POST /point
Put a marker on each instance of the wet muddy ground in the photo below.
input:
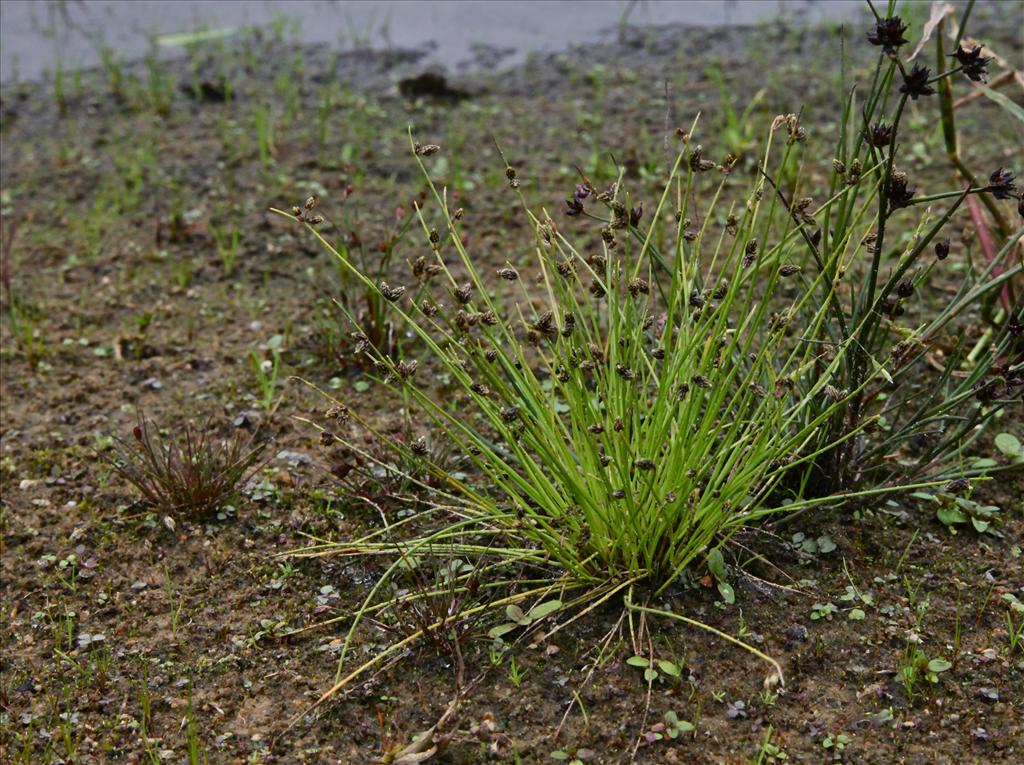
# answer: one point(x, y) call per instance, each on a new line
point(130, 637)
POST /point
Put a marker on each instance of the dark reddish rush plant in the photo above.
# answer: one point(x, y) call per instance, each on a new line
point(194, 474)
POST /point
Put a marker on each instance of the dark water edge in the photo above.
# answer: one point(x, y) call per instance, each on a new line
point(452, 34)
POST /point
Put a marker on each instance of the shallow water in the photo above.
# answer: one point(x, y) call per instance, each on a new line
point(35, 35)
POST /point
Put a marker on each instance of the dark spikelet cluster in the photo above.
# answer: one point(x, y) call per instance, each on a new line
point(1001, 184)
point(574, 204)
point(697, 162)
point(973, 64)
point(750, 253)
point(880, 135)
point(424, 270)
point(1002, 382)
point(360, 342)
point(638, 287)
point(957, 486)
point(391, 294)
point(403, 372)
point(701, 382)
point(888, 34)
point(302, 213)
point(545, 324)
point(915, 83)
point(900, 191)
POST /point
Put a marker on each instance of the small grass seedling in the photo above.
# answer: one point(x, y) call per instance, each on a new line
point(226, 240)
point(1014, 622)
point(516, 673)
point(263, 121)
point(175, 601)
point(265, 372)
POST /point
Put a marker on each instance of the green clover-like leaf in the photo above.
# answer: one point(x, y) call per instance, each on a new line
point(1010, 445)
point(541, 610)
point(670, 669)
point(515, 613)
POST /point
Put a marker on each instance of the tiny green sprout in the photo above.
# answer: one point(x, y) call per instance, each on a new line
point(716, 565)
point(66, 569)
point(674, 726)
point(823, 611)
point(496, 652)
point(837, 742)
point(518, 618)
point(1014, 621)
point(226, 241)
point(916, 666)
point(650, 668)
point(770, 754)
point(962, 510)
point(516, 673)
point(952, 510)
point(574, 756)
point(669, 726)
point(853, 595)
point(266, 373)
